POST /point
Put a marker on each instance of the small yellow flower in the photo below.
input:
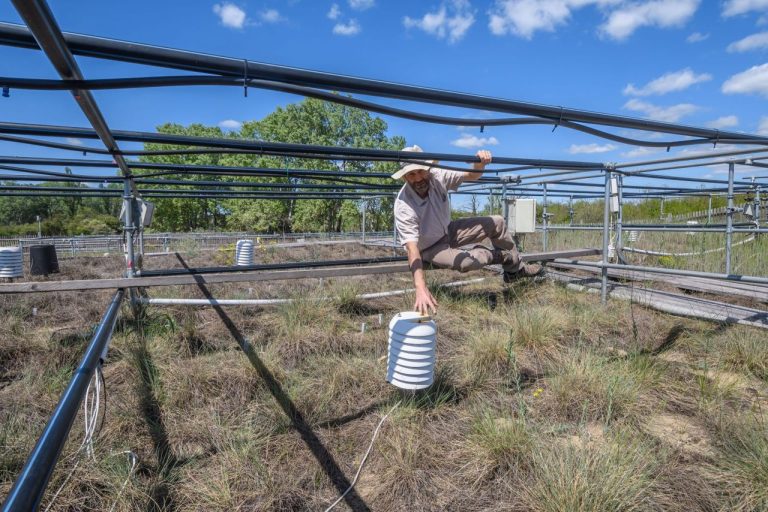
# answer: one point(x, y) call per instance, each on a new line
point(538, 392)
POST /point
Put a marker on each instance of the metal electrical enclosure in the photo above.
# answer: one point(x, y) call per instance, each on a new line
point(522, 215)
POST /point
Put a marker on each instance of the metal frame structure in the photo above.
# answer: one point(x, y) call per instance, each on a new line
point(519, 176)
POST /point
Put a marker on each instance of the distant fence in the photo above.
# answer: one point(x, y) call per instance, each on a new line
point(170, 242)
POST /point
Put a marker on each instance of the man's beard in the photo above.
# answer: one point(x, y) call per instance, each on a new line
point(421, 187)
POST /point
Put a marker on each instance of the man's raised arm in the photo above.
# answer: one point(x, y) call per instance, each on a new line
point(425, 302)
point(485, 158)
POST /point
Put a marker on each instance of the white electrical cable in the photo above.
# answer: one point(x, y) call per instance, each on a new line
point(90, 420)
point(365, 457)
point(134, 459)
point(708, 251)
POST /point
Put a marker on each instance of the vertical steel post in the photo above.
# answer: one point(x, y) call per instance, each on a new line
point(756, 203)
point(545, 219)
point(620, 215)
point(709, 210)
point(365, 207)
point(606, 237)
point(504, 206)
point(128, 227)
point(729, 218)
point(394, 232)
point(661, 211)
point(570, 210)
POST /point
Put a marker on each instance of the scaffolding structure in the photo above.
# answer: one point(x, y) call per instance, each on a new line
point(613, 183)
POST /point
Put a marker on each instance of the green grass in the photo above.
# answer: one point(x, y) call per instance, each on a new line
point(742, 467)
point(615, 476)
point(543, 400)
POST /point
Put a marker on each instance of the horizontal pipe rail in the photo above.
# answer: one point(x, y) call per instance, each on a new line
point(29, 487)
point(311, 151)
point(671, 271)
point(17, 35)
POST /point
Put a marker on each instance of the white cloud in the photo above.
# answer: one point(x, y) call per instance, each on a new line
point(762, 128)
point(74, 142)
point(335, 12)
point(697, 37)
point(753, 80)
point(468, 141)
point(753, 42)
point(230, 15)
point(270, 16)
point(350, 28)
point(576, 149)
point(623, 21)
point(735, 7)
point(230, 124)
point(668, 82)
point(524, 17)
point(641, 152)
point(724, 122)
point(451, 20)
point(665, 114)
point(361, 5)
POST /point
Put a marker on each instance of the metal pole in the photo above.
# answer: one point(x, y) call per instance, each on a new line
point(661, 210)
point(29, 487)
point(570, 210)
point(504, 206)
point(606, 236)
point(394, 233)
point(757, 207)
point(620, 215)
point(365, 206)
point(709, 210)
point(544, 218)
point(729, 219)
point(128, 228)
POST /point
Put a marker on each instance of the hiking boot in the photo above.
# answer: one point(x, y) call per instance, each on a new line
point(529, 270)
point(506, 259)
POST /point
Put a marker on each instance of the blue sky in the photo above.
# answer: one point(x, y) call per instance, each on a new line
point(686, 61)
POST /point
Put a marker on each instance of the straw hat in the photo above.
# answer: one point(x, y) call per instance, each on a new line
point(406, 168)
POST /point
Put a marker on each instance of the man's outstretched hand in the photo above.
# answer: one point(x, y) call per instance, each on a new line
point(425, 302)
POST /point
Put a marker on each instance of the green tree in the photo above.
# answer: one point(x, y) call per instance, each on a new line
point(327, 124)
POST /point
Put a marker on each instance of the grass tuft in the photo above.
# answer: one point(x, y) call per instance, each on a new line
point(590, 387)
point(615, 476)
point(742, 467)
point(505, 441)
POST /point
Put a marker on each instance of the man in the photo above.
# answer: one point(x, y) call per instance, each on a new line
point(423, 221)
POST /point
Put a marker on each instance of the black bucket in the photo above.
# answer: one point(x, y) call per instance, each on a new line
point(43, 260)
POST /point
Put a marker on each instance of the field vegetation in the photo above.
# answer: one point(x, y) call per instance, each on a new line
point(544, 400)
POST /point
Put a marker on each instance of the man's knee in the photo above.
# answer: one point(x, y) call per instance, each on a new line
point(499, 226)
point(469, 263)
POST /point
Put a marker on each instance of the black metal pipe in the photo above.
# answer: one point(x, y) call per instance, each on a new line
point(175, 80)
point(43, 26)
point(284, 148)
point(30, 485)
point(17, 35)
point(275, 266)
point(148, 193)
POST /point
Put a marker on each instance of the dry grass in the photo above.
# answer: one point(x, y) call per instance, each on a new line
point(543, 400)
point(617, 475)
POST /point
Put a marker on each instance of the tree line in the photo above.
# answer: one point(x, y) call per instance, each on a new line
point(311, 121)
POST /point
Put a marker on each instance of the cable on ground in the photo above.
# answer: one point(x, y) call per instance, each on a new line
point(365, 457)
